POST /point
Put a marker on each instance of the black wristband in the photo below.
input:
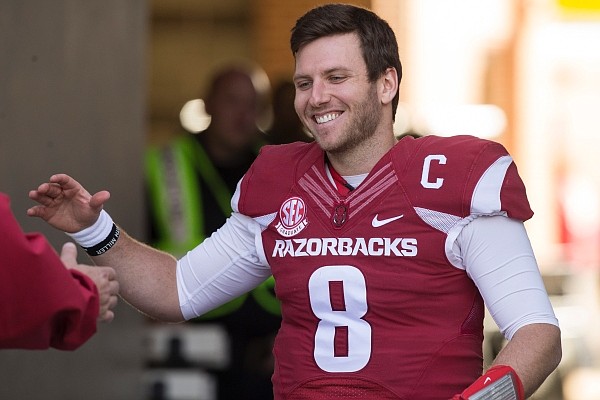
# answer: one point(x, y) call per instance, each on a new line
point(104, 245)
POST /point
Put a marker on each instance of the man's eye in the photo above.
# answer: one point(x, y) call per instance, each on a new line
point(337, 78)
point(303, 85)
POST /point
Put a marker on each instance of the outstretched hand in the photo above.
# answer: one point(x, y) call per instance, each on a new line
point(104, 278)
point(65, 204)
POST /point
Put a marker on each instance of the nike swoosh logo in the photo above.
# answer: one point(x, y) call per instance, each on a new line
point(376, 223)
point(488, 379)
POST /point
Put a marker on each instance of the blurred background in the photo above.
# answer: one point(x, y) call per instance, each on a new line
point(86, 87)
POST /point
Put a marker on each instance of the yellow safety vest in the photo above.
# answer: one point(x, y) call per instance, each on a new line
point(176, 204)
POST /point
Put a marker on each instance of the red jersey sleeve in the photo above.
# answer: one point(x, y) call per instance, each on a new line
point(44, 304)
point(469, 176)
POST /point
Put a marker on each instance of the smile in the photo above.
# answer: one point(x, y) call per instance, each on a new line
point(326, 118)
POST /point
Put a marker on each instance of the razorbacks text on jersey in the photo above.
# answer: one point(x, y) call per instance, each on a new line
point(374, 304)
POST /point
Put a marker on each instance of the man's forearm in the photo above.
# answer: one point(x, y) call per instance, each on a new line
point(533, 352)
point(147, 277)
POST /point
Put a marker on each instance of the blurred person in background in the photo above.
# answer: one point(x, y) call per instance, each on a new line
point(286, 127)
point(190, 183)
point(48, 301)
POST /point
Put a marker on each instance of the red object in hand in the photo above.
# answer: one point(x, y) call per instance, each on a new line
point(500, 382)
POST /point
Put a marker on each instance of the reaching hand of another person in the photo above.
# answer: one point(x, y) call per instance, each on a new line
point(103, 277)
point(65, 204)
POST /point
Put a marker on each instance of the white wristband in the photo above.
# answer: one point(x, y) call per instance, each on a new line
point(95, 234)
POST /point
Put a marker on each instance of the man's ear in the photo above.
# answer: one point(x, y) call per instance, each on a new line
point(388, 85)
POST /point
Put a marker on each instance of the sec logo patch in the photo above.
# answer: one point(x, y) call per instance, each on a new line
point(292, 217)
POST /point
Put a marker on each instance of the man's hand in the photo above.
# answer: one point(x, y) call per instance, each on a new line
point(103, 277)
point(65, 204)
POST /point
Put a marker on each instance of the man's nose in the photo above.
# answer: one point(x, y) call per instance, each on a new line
point(319, 93)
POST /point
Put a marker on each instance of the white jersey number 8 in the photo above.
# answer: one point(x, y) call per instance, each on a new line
point(359, 330)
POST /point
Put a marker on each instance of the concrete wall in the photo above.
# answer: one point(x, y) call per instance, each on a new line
point(72, 99)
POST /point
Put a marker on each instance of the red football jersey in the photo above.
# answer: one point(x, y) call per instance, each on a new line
point(372, 306)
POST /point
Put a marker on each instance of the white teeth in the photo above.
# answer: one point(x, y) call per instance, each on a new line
point(326, 118)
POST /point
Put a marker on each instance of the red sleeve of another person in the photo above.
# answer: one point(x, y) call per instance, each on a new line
point(42, 303)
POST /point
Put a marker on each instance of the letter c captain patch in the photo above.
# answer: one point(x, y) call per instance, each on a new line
point(292, 217)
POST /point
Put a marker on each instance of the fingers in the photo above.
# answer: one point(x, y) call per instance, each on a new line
point(46, 190)
point(64, 180)
point(68, 255)
point(107, 313)
point(35, 211)
point(111, 275)
point(98, 199)
point(60, 185)
point(109, 292)
point(45, 195)
point(105, 279)
point(107, 317)
point(65, 204)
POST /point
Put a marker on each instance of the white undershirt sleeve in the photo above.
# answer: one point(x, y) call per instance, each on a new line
point(223, 267)
point(496, 253)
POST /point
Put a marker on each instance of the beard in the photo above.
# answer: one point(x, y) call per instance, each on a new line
point(361, 126)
